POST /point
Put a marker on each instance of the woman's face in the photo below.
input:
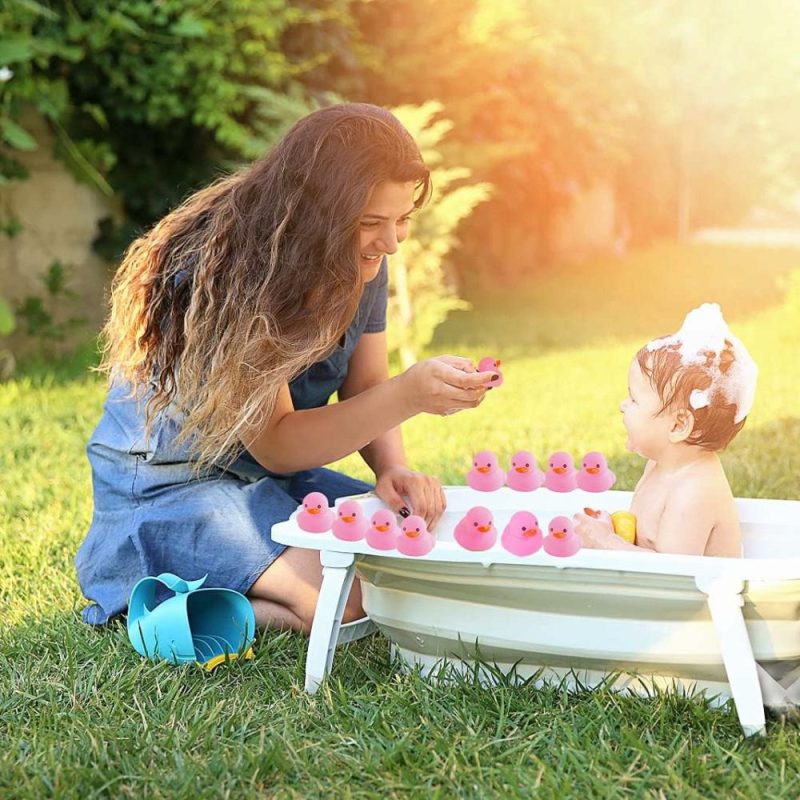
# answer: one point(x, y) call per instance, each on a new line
point(384, 224)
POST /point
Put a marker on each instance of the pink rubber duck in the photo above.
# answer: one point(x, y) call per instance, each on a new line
point(414, 538)
point(595, 476)
point(561, 540)
point(522, 536)
point(476, 530)
point(524, 475)
point(383, 531)
point(315, 517)
point(490, 364)
point(350, 523)
point(485, 475)
point(561, 475)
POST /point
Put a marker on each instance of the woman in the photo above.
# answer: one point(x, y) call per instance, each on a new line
point(232, 323)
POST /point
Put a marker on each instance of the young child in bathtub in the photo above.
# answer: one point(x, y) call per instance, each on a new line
point(688, 396)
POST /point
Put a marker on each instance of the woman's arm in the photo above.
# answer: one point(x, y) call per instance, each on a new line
point(404, 490)
point(294, 440)
point(368, 367)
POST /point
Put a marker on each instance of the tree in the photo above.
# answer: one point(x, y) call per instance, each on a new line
point(420, 295)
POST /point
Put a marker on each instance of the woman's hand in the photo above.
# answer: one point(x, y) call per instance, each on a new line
point(403, 488)
point(444, 385)
point(595, 532)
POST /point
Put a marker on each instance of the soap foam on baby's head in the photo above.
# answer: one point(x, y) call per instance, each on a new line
point(705, 368)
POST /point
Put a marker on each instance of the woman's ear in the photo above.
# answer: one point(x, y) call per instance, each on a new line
point(682, 425)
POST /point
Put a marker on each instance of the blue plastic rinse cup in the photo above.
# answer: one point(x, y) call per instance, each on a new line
point(174, 620)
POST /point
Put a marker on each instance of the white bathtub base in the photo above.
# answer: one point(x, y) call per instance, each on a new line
point(638, 623)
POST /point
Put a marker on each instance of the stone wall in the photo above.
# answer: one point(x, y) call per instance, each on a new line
point(59, 217)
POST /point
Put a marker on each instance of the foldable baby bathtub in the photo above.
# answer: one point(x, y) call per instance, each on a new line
point(633, 621)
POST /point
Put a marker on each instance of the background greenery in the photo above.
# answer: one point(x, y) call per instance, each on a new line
point(81, 715)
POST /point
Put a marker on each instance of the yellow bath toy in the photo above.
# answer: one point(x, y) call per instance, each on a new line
point(624, 525)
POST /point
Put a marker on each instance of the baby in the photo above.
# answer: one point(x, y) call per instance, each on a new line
point(688, 396)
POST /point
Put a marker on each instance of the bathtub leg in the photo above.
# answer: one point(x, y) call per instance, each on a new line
point(338, 570)
point(725, 603)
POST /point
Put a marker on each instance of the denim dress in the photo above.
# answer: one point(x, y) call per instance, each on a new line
point(153, 511)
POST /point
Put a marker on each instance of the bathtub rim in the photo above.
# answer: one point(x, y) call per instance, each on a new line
point(765, 510)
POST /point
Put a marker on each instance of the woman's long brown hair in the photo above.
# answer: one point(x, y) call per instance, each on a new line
point(254, 278)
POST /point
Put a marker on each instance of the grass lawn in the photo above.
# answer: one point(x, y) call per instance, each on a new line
point(81, 715)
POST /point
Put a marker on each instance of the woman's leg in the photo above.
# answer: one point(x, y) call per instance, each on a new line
point(285, 594)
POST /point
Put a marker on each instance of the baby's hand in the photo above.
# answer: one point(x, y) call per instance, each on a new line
point(594, 528)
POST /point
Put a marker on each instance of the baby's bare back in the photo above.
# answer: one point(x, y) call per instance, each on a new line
point(715, 523)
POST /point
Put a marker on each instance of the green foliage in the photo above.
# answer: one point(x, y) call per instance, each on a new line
point(149, 100)
point(46, 317)
point(420, 296)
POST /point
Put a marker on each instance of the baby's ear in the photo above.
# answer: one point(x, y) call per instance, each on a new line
point(682, 425)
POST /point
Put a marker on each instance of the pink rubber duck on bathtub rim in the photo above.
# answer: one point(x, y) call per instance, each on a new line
point(476, 530)
point(524, 475)
point(522, 536)
point(383, 531)
point(485, 475)
point(561, 539)
point(414, 538)
point(350, 524)
point(315, 516)
point(561, 475)
point(595, 476)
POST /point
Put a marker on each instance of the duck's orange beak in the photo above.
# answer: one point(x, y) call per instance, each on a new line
point(593, 470)
point(412, 534)
point(484, 528)
point(590, 512)
point(530, 532)
point(559, 470)
point(497, 362)
point(560, 534)
point(382, 528)
point(521, 470)
point(313, 510)
point(348, 519)
point(484, 470)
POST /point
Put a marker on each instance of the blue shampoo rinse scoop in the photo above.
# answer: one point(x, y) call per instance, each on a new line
point(207, 626)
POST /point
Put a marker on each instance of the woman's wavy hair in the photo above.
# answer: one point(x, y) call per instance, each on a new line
point(254, 278)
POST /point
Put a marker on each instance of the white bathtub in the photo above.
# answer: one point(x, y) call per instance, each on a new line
point(721, 627)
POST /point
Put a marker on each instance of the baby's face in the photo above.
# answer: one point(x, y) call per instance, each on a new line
point(648, 431)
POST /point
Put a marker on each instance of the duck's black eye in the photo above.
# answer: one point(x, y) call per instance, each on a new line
point(565, 466)
point(524, 528)
point(527, 464)
point(417, 530)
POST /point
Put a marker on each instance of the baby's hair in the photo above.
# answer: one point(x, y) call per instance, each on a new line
point(714, 423)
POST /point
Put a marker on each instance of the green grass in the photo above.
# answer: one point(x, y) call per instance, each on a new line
point(81, 715)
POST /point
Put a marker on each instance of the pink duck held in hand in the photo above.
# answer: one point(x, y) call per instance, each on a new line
point(490, 364)
point(595, 476)
point(561, 539)
point(315, 516)
point(522, 536)
point(383, 531)
point(476, 530)
point(414, 538)
point(561, 475)
point(350, 524)
point(524, 475)
point(485, 475)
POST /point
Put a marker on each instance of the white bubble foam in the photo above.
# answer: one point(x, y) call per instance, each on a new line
point(704, 330)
